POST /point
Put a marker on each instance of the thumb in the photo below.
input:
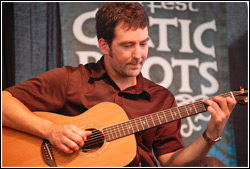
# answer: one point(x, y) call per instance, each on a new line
point(87, 132)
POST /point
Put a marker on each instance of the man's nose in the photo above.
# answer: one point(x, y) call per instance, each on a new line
point(137, 52)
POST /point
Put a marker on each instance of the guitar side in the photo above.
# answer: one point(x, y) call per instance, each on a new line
point(24, 150)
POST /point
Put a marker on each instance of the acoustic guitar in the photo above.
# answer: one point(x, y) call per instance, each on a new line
point(112, 142)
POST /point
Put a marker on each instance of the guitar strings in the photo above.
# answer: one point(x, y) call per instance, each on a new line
point(147, 117)
point(115, 129)
point(94, 139)
point(199, 108)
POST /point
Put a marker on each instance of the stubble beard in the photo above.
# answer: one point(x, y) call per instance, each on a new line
point(126, 71)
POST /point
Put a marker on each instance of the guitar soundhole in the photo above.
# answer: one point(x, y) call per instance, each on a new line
point(94, 142)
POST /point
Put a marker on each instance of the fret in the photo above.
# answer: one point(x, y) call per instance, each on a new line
point(121, 131)
point(190, 110)
point(106, 134)
point(110, 133)
point(195, 108)
point(136, 128)
point(168, 115)
point(141, 127)
point(114, 131)
point(144, 122)
point(125, 128)
point(149, 120)
point(130, 127)
point(157, 114)
point(117, 131)
point(171, 114)
point(164, 114)
point(140, 124)
point(200, 107)
point(162, 117)
point(155, 119)
point(125, 131)
point(178, 111)
point(175, 113)
point(186, 110)
point(152, 119)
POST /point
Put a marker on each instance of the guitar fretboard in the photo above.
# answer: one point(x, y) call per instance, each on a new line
point(155, 119)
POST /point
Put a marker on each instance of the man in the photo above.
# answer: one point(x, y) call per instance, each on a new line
point(122, 30)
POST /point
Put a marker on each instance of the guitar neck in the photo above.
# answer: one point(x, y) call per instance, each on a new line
point(155, 119)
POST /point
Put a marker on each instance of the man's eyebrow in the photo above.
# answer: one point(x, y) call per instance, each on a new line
point(125, 42)
point(147, 39)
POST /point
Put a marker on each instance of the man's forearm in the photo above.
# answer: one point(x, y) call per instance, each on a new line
point(199, 148)
point(16, 115)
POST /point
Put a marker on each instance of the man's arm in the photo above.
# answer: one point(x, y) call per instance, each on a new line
point(16, 115)
point(220, 110)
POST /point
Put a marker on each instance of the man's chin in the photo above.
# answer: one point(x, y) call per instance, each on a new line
point(133, 73)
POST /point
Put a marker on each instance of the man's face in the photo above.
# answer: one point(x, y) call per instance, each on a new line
point(128, 51)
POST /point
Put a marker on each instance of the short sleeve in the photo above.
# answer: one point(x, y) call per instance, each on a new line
point(45, 92)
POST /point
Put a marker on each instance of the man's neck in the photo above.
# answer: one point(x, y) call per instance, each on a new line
point(123, 82)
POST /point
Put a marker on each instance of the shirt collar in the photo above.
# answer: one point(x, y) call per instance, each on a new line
point(140, 90)
point(97, 70)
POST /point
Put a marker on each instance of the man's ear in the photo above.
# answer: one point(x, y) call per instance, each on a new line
point(103, 46)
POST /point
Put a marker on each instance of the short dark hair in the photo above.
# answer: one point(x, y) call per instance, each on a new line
point(110, 14)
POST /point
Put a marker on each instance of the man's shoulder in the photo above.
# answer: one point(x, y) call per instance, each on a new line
point(72, 69)
point(152, 86)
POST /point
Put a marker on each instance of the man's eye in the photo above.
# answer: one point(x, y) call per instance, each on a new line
point(144, 44)
point(127, 46)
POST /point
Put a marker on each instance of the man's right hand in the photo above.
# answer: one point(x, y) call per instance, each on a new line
point(68, 138)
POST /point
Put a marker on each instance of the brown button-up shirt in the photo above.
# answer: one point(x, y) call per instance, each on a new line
point(71, 91)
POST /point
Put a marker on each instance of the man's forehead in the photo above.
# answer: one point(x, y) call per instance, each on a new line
point(125, 31)
point(127, 27)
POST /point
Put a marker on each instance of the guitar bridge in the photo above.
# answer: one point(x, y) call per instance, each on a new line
point(48, 154)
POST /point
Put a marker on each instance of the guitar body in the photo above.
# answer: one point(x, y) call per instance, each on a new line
point(20, 149)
